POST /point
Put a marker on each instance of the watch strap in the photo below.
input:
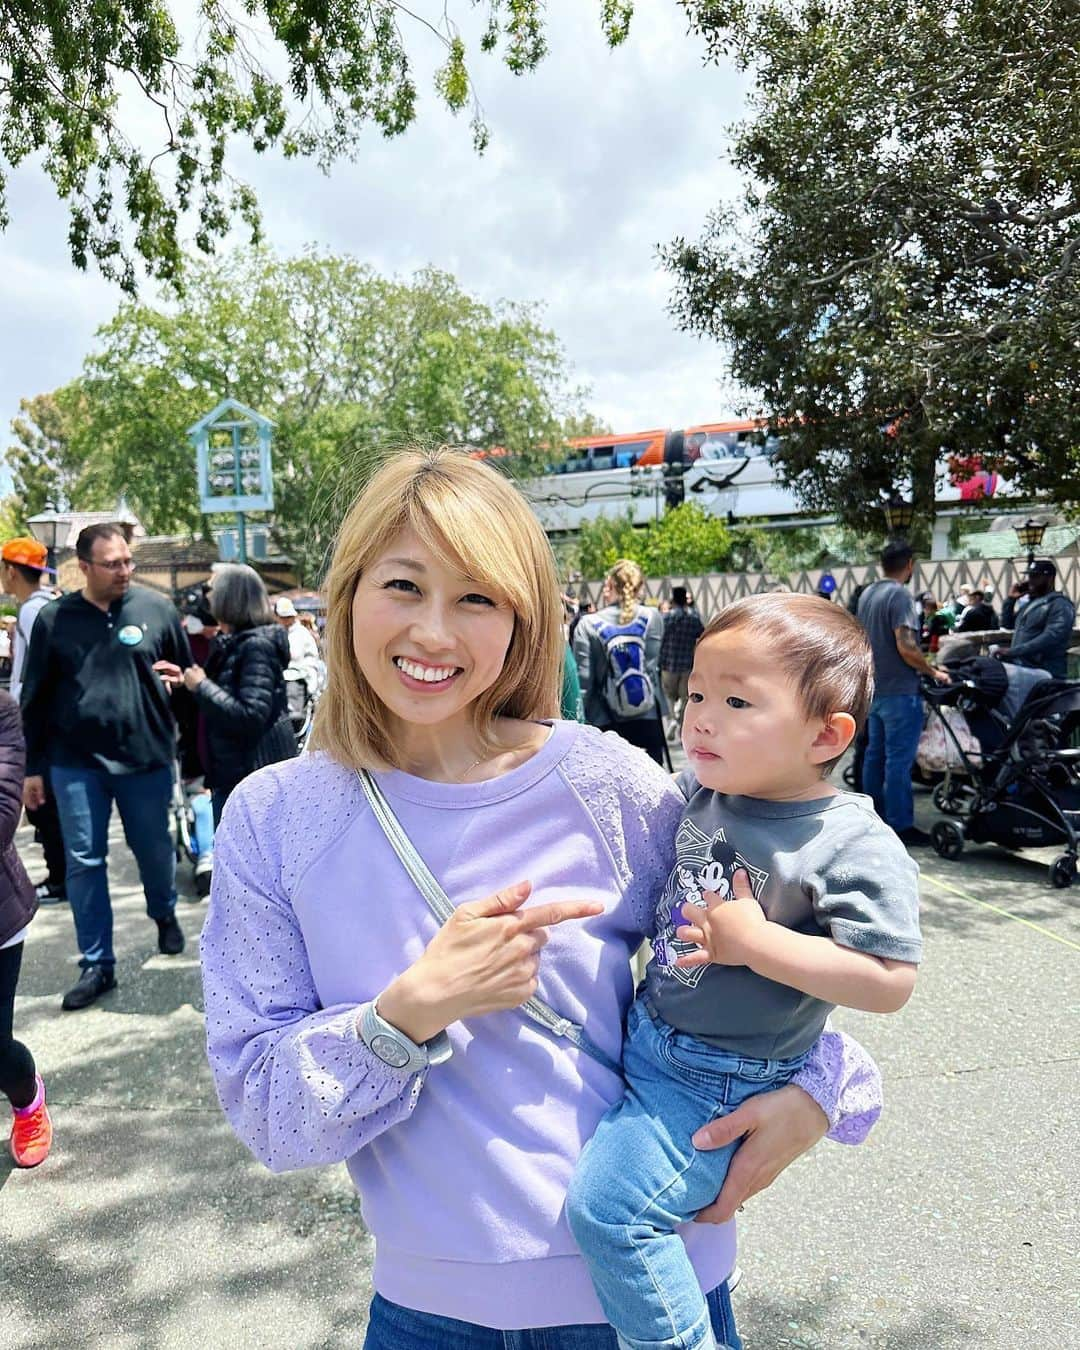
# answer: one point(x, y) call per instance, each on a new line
point(391, 1045)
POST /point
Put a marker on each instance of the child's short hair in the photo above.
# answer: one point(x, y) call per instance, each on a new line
point(822, 648)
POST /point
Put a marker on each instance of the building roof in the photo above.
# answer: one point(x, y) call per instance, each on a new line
point(167, 550)
point(75, 521)
point(228, 405)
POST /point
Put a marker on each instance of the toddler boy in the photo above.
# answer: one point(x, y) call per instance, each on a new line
point(788, 897)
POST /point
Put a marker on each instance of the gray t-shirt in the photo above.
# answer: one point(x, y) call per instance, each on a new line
point(829, 867)
point(883, 607)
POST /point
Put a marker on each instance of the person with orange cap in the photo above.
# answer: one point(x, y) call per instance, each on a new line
point(24, 574)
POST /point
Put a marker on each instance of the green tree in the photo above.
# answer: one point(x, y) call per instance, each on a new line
point(131, 116)
point(347, 363)
point(902, 282)
point(603, 541)
point(46, 463)
point(685, 540)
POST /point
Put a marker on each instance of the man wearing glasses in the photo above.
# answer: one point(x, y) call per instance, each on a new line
point(99, 729)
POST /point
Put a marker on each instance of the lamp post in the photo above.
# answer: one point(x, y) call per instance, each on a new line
point(1030, 535)
point(46, 527)
point(898, 515)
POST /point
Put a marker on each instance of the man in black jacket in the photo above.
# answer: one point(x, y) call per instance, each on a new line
point(978, 617)
point(99, 729)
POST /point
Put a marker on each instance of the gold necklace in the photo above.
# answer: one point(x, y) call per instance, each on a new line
point(463, 776)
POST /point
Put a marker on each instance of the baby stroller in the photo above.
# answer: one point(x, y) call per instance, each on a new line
point(193, 828)
point(303, 686)
point(1022, 789)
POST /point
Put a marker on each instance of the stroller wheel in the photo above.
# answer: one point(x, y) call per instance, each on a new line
point(953, 799)
point(1063, 871)
point(947, 839)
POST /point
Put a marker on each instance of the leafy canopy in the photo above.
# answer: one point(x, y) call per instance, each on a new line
point(131, 108)
point(902, 281)
point(346, 363)
point(684, 541)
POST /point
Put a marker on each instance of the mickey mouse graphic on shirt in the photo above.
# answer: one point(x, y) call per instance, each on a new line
point(704, 863)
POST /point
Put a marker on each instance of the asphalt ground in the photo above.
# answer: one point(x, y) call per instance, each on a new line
point(955, 1225)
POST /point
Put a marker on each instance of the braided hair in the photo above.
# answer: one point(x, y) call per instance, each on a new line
point(627, 579)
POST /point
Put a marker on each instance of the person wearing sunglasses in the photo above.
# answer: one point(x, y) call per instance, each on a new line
point(99, 728)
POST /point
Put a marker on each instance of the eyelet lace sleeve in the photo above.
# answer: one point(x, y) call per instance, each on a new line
point(297, 1084)
point(846, 1083)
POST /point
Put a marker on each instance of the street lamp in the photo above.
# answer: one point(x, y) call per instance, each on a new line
point(898, 514)
point(46, 527)
point(1030, 535)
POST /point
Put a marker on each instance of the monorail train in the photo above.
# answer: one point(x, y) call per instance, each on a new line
point(727, 467)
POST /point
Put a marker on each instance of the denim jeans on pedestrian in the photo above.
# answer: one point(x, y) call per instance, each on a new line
point(639, 1178)
point(391, 1327)
point(84, 798)
point(895, 725)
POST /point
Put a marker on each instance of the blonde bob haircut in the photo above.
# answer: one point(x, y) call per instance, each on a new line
point(478, 522)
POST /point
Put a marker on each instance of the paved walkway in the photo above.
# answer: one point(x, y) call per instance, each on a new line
point(954, 1227)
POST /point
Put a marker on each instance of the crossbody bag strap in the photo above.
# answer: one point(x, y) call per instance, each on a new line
point(439, 903)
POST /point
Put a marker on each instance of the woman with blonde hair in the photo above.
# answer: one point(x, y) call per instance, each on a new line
point(618, 658)
point(388, 909)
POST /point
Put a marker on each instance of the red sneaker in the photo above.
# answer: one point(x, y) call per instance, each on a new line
point(31, 1134)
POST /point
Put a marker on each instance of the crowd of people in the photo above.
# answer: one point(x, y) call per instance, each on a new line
point(116, 697)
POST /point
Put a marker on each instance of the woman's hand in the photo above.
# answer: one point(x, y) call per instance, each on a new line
point(193, 677)
point(484, 959)
point(169, 673)
point(776, 1127)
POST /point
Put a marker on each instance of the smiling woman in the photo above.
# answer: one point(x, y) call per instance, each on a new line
point(421, 584)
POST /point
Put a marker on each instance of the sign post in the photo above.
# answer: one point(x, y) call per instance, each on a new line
point(232, 455)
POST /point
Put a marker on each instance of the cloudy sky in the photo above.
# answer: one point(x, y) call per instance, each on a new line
point(595, 159)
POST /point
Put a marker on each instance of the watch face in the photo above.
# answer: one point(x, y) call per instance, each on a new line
point(390, 1051)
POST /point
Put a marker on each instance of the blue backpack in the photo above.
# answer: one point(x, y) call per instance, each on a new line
point(628, 691)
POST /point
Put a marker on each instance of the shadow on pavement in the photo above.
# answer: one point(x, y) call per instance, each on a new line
point(811, 1323)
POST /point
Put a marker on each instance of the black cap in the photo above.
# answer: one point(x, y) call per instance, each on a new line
point(1042, 567)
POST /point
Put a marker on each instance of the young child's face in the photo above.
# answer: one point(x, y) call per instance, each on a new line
point(745, 731)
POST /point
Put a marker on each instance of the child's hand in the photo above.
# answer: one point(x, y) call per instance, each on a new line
point(727, 930)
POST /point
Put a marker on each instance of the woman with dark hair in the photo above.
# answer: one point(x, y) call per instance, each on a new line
point(241, 693)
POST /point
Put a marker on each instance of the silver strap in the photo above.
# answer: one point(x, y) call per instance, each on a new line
point(439, 903)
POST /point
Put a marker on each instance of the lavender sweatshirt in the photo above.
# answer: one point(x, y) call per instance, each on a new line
point(462, 1169)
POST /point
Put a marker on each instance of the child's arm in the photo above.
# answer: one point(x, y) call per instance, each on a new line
point(737, 933)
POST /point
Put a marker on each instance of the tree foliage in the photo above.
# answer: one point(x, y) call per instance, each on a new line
point(347, 363)
point(131, 114)
point(685, 540)
point(902, 282)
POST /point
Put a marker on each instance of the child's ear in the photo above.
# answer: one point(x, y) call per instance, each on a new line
point(836, 734)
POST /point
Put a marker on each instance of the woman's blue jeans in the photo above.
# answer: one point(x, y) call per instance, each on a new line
point(391, 1327)
point(894, 726)
point(84, 799)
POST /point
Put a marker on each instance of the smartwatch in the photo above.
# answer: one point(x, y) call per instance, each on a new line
point(397, 1050)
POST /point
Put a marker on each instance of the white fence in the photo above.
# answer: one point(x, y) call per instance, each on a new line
point(942, 579)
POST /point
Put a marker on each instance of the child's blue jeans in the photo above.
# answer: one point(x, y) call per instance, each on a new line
point(640, 1177)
